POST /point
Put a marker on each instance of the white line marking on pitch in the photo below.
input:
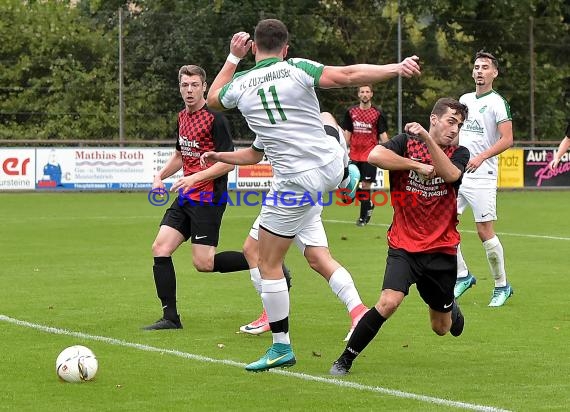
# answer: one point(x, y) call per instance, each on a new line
point(330, 381)
point(468, 231)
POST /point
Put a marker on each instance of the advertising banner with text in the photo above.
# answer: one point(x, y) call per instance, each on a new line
point(99, 168)
point(17, 169)
point(538, 174)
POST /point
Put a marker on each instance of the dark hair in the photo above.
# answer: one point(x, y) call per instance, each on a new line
point(482, 54)
point(441, 106)
point(270, 35)
point(366, 85)
point(192, 70)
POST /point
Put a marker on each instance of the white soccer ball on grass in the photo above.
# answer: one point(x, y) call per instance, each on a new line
point(76, 364)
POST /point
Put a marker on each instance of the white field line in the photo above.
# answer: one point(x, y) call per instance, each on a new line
point(306, 377)
point(527, 235)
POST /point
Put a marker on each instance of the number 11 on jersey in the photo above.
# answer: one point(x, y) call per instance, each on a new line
point(269, 112)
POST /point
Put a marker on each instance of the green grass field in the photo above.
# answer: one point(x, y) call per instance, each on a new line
point(76, 269)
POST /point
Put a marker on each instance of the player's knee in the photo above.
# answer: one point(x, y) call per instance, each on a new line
point(160, 249)
point(387, 305)
point(440, 326)
point(203, 263)
point(250, 252)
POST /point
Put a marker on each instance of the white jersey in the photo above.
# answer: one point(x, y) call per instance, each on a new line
point(480, 130)
point(278, 100)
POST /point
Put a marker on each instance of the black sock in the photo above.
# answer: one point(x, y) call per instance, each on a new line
point(229, 261)
point(165, 281)
point(365, 205)
point(280, 326)
point(363, 334)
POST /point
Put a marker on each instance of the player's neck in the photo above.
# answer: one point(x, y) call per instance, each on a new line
point(483, 89)
point(263, 56)
point(365, 106)
point(196, 106)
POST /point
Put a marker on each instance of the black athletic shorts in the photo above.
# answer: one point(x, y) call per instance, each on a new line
point(200, 222)
point(433, 273)
point(367, 171)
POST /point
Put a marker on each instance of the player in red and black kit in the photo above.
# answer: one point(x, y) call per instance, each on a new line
point(364, 127)
point(425, 174)
point(197, 212)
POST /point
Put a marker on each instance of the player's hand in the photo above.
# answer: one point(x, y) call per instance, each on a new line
point(208, 158)
point(553, 163)
point(427, 171)
point(416, 129)
point(240, 44)
point(474, 164)
point(157, 183)
point(184, 183)
point(409, 67)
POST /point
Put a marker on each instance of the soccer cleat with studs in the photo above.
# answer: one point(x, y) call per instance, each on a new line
point(340, 367)
point(279, 355)
point(258, 326)
point(500, 295)
point(164, 323)
point(457, 320)
point(462, 284)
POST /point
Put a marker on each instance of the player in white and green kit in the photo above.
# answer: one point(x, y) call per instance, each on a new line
point(487, 132)
point(278, 100)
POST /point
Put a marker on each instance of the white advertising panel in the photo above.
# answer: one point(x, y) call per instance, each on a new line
point(17, 169)
point(100, 168)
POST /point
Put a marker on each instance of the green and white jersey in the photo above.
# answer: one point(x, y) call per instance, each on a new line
point(278, 100)
point(480, 131)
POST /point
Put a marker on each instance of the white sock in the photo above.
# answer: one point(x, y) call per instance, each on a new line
point(342, 285)
point(496, 259)
point(462, 270)
point(255, 277)
point(275, 297)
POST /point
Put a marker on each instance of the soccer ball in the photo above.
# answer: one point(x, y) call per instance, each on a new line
point(76, 364)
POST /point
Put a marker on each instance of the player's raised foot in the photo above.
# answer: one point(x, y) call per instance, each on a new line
point(340, 367)
point(351, 184)
point(457, 320)
point(500, 295)
point(164, 323)
point(462, 284)
point(361, 222)
point(356, 314)
point(279, 355)
point(258, 326)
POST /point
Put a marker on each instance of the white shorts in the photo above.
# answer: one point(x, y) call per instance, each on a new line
point(314, 235)
point(291, 218)
point(483, 202)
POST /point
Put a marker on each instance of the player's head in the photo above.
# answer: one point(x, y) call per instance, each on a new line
point(447, 117)
point(271, 37)
point(192, 82)
point(365, 93)
point(482, 54)
point(192, 70)
point(485, 68)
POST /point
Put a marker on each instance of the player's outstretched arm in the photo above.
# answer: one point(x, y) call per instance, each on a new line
point(247, 156)
point(390, 160)
point(358, 74)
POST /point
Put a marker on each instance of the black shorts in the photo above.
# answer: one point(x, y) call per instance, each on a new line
point(433, 273)
point(199, 222)
point(367, 171)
